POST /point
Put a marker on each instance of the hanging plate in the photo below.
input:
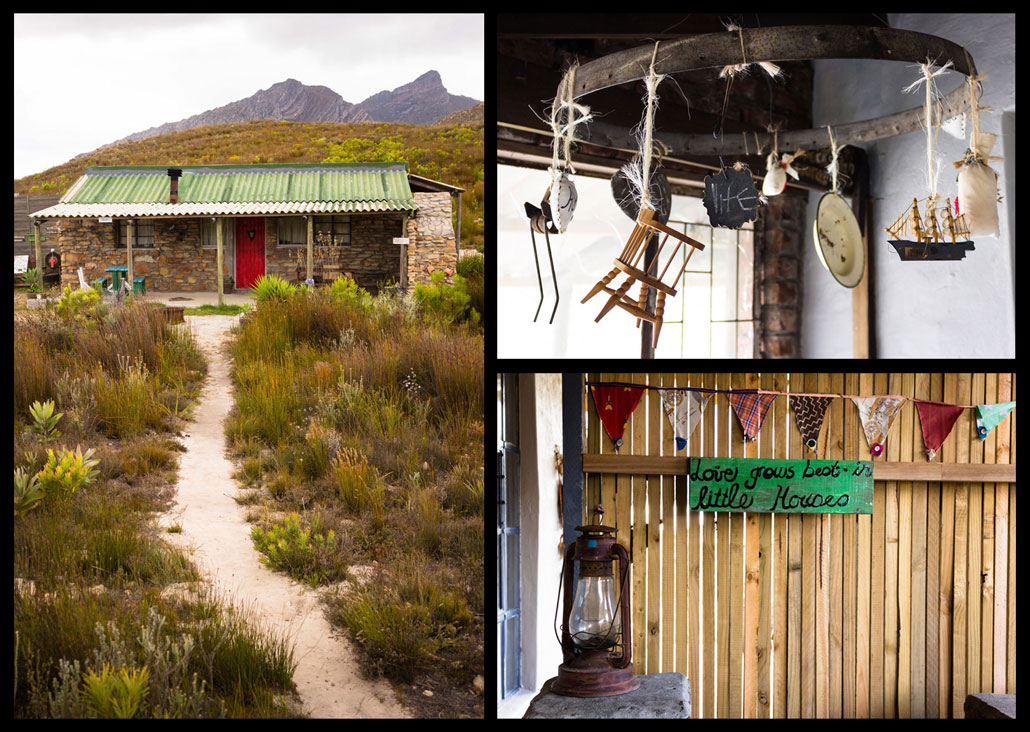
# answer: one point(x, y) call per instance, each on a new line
point(838, 240)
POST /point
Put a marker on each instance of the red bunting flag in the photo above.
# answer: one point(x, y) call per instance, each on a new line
point(750, 410)
point(937, 419)
point(614, 405)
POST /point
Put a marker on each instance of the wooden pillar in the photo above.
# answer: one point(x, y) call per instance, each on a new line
point(220, 256)
point(311, 239)
point(457, 235)
point(130, 235)
point(404, 253)
point(39, 249)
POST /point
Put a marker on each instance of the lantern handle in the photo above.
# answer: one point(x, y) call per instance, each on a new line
point(566, 639)
point(620, 553)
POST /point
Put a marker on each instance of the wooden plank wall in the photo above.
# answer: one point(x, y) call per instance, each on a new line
point(901, 613)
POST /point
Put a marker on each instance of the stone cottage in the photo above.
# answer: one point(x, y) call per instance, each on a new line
point(176, 227)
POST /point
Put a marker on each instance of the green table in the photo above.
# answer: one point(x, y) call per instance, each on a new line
point(117, 272)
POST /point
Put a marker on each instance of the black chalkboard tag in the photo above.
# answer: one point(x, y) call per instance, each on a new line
point(661, 196)
point(731, 197)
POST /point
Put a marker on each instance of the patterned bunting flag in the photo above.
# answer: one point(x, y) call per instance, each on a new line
point(750, 410)
point(989, 416)
point(877, 414)
point(808, 414)
point(684, 411)
point(936, 419)
point(614, 405)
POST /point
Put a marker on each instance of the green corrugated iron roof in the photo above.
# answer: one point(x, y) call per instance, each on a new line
point(238, 189)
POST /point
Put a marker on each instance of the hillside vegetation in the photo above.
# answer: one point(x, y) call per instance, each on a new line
point(450, 154)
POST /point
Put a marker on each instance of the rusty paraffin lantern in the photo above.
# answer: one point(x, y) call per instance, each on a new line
point(591, 628)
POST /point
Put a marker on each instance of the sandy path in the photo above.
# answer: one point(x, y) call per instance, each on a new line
point(214, 526)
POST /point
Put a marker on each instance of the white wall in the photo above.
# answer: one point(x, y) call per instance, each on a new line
point(957, 309)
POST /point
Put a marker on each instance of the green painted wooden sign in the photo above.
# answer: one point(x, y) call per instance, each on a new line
point(781, 486)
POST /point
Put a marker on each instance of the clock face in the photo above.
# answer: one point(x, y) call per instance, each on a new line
point(838, 240)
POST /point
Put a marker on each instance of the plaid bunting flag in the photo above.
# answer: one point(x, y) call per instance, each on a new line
point(684, 410)
point(989, 416)
point(808, 414)
point(750, 410)
point(614, 406)
point(936, 419)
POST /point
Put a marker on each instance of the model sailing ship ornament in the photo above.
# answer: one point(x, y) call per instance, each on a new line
point(933, 235)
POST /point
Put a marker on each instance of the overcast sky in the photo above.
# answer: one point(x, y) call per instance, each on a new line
point(82, 81)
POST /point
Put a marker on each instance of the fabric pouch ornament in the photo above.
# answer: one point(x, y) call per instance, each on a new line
point(777, 169)
point(751, 409)
point(614, 406)
point(877, 414)
point(936, 419)
point(978, 188)
point(809, 412)
point(684, 410)
point(989, 416)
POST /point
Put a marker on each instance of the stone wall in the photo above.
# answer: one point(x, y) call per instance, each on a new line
point(431, 235)
point(176, 263)
point(780, 236)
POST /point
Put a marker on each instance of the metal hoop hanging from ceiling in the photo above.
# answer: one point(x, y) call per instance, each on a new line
point(786, 43)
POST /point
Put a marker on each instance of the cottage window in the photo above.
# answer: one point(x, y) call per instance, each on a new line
point(209, 234)
point(143, 234)
point(293, 231)
point(332, 231)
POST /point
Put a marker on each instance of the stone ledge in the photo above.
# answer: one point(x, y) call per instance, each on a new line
point(660, 696)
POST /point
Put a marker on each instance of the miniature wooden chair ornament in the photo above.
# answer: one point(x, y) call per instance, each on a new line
point(627, 262)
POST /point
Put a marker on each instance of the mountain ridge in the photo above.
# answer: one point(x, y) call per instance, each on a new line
point(423, 101)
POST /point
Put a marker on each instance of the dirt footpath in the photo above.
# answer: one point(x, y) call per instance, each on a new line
point(213, 524)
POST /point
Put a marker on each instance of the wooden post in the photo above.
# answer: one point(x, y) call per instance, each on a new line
point(311, 228)
point(457, 236)
point(39, 249)
point(128, 250)
point(404, 253)
point(218, 247)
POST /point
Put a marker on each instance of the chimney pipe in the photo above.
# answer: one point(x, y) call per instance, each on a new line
point(174, 174)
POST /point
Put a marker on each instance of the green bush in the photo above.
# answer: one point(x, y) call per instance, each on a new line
point(471, 266)
point(346, 290)
point(44, 420)
point(110, 695)
point(65, 473)
point(448, 303)
point(77, 304)
point(27, 492)
point(273, 287)
point(302, 553)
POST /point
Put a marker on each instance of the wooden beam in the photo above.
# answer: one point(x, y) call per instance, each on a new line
point(672, 465)
point(130, 235)
point(310, 240)
point(39, 249)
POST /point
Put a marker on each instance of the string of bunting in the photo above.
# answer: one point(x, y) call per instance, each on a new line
point(684, 406)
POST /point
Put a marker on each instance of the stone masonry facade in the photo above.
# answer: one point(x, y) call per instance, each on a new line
point(178, 262)
point(780, 236)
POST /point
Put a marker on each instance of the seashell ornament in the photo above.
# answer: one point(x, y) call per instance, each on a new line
point(561, 197)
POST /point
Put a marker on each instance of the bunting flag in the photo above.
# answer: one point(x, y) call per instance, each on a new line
point(937, 419)
point(614, 405)
point(750, 410)
point(684, 410)
point(989, 416)
point(808, 414)
point(877, 414)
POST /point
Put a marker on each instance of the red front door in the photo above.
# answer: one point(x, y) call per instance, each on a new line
point(250, 250)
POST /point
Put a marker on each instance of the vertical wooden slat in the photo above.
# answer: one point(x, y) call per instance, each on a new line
point(780, 590)
point(891, 585)
point(723, 557)
point(947, 565)
point(958, 612)
point(835, 577)
point(796, 645)
point(1010, 651)
point(708, 569)
point(861, 384)
point(624, 497)
point(908, 428)
point(877, 576)
point(654, 549)
point(669, 529)
point(1001, 539)
point(751, 590)
point(638, 570)
point(933, 570)
point(965, 432)
point(735, 607)
point(822, 597)
point(693, 553)
point(771, 431)
point(844, 443)
point(917, 623)
point(987, 552)
point(810, 552)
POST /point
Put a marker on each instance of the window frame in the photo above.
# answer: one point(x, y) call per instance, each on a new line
point(121, 232)
point(279, 229)
point(333, 222)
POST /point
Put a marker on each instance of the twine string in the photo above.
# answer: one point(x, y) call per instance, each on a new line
point(652, 83)
point(928, 79)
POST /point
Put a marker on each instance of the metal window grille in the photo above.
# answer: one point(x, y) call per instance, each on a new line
point(144, 234)
point(332, 231)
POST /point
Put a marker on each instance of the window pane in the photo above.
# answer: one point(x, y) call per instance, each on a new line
point(700, 260)
point(724, 274)
point(724, 340)
point(745, 339)
point(511, 654)
point(511, 597)
point(746, 274)
point(511, 486)
point(696, 315)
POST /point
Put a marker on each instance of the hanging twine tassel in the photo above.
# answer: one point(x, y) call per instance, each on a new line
point(638, 170)
point(731, 70)
point(833, 168)
point(563, 135)
point(932, 168)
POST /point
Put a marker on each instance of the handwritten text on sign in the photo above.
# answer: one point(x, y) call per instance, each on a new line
point(781, 486)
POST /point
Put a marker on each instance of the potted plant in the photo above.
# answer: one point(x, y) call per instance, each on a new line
point(228, 284)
